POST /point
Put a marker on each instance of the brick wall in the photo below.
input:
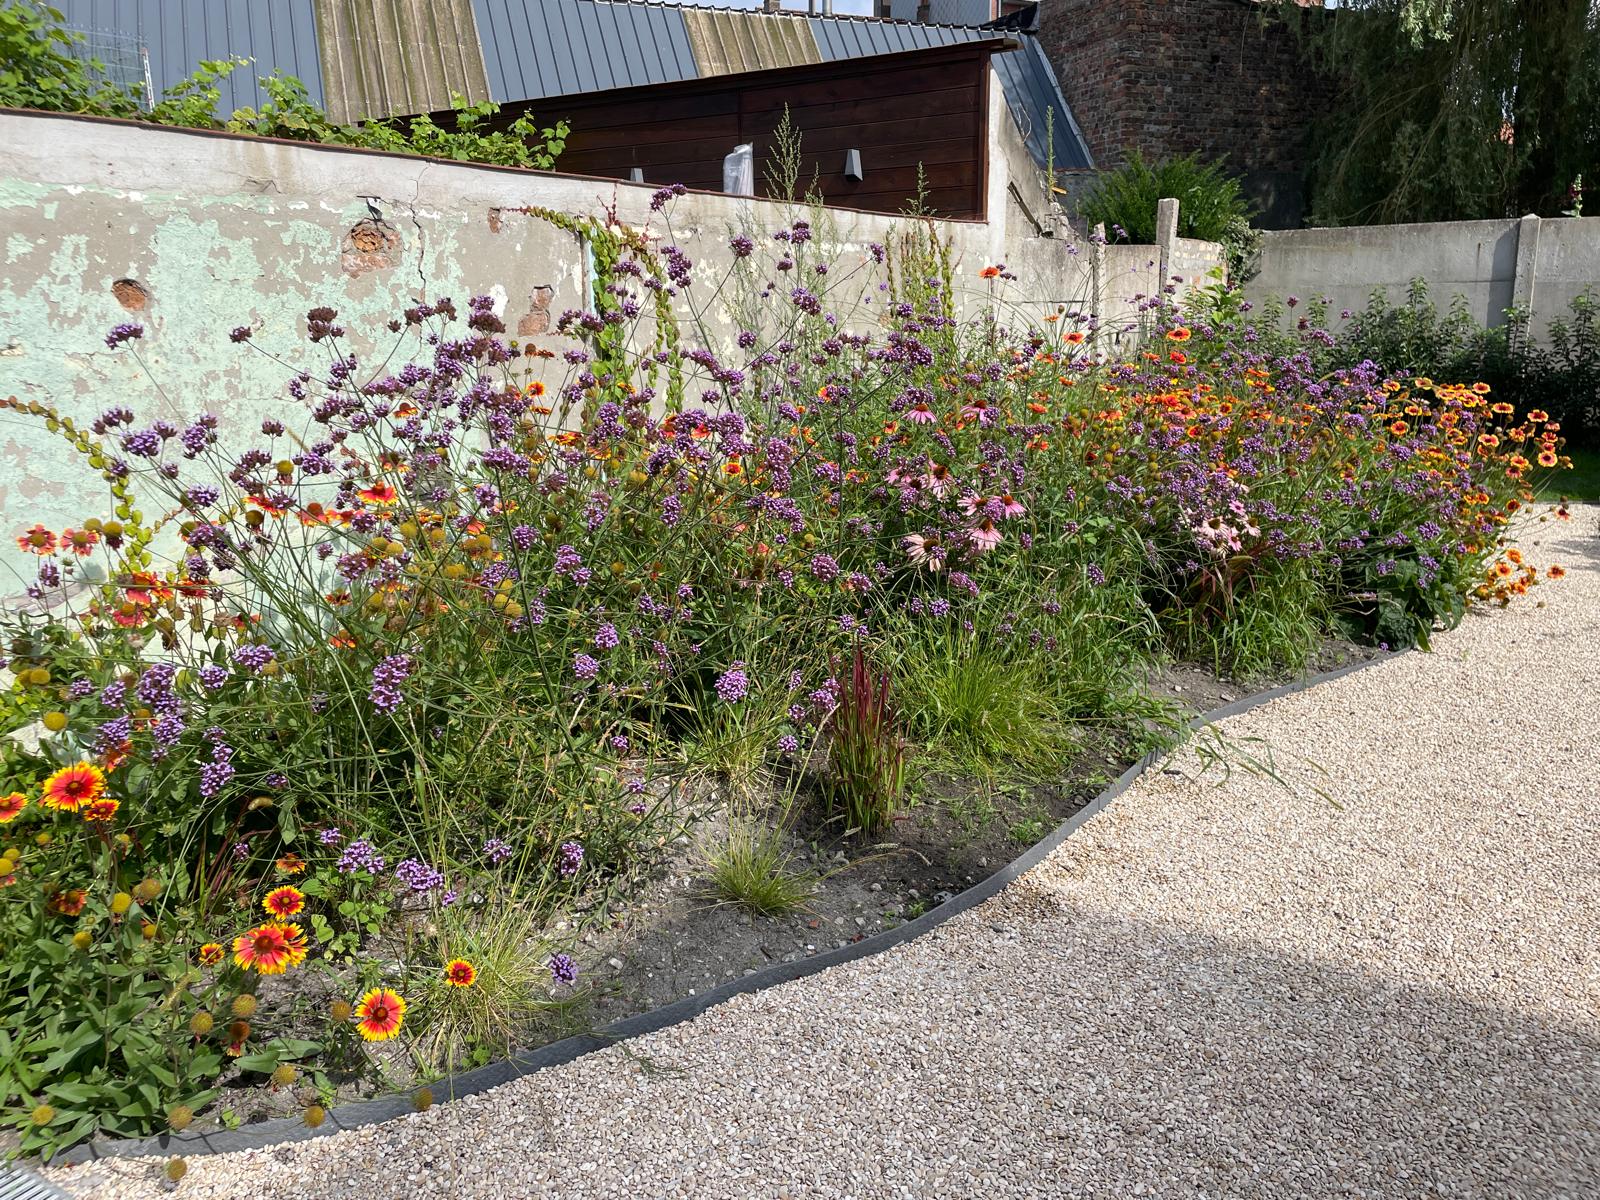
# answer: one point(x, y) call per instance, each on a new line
point(1172, 77)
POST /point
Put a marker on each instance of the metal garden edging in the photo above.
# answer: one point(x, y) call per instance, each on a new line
point(470, 1083)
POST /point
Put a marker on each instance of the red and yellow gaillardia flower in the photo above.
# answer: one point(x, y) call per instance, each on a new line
point(290, 864)
point(379, 1015)
point(70, 788)
point(270, 949)
point(284, 901)
point(37, 540)
point(459, 973)
point(1180, 334)
point(11, 806)
point(101, 810)
point(211, 954)
point(68, 902)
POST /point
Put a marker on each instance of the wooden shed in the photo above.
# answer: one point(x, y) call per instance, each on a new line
point(927, 107)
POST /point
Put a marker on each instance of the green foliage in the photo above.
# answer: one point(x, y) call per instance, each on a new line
point(290, 113)
point(985, 712)
point(38, 70)
point(1210, 203)
point(1453, 109)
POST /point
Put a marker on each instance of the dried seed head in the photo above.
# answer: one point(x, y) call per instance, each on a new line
point(244, 1006)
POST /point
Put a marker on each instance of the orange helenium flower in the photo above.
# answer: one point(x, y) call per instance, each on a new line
point(70, 788)
point(270, 949)
point(11, 806)
point(459, 973)
point(284, 902)
point(380, 1014)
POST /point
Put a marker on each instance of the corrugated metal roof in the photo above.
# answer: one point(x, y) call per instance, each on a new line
point(537, 48)
point(1032, 93)
point(387, 57)
point(177, 34)
point(729, 43)
point(861, 37)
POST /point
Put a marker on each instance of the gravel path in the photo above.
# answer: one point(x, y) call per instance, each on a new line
point(1378, 978)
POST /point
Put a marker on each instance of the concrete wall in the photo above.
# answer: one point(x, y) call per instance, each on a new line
point(193, 234)
point(1534, 263)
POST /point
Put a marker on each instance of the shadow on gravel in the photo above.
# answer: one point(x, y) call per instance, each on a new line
point(1236, 1071)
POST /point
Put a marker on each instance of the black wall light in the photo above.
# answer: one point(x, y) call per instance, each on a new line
point(852, 166)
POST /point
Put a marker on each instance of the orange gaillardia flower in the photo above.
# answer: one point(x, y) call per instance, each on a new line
point(69, 903)
point(459, 973)
point(379, 1015)
point(270, 949)
point(1556, 571)
point(290, 864)
point(284, 901)
point(70, 788)
point(37, 540)
point(211, 954)
point(11, 806)
point(101, 810)
point(1180, 334)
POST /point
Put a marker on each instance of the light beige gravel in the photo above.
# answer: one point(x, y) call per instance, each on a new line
point(1377, 979)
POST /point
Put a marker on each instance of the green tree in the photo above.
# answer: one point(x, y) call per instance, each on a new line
point(1456, 109)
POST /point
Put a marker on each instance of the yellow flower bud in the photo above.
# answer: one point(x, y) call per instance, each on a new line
point(176, 1169)
point(180, 1118)
point(55, 722)
point(244, 1005)
point(284, 1075)
point(121, 903)
point(201, 1024)
point(83, 939)
point(313, 1116)
point(43, 1115)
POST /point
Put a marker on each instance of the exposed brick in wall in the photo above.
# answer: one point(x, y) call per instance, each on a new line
point(1172, 77)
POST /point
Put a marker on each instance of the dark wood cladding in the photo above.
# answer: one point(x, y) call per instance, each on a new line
point(927, 107)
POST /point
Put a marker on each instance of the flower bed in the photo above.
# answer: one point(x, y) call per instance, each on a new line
point(330, 748)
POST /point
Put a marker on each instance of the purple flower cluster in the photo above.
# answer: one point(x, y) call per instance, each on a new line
point(571, 859)
point(360, 855)
point(562, 968)
point(418, 875)
point(387, 677)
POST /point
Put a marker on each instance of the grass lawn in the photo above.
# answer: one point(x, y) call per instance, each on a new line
point(1580, 483)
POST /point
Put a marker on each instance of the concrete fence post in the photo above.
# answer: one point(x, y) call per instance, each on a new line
point(1166, 237)
point(1522, 278)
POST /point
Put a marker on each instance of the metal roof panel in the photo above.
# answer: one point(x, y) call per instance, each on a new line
point(177, 34)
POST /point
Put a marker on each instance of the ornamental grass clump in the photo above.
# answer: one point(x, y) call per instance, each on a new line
point(866, 756)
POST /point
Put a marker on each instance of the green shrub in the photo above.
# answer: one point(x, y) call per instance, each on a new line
point(1210, 203)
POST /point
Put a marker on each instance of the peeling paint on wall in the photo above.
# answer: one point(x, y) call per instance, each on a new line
point(219, 232)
